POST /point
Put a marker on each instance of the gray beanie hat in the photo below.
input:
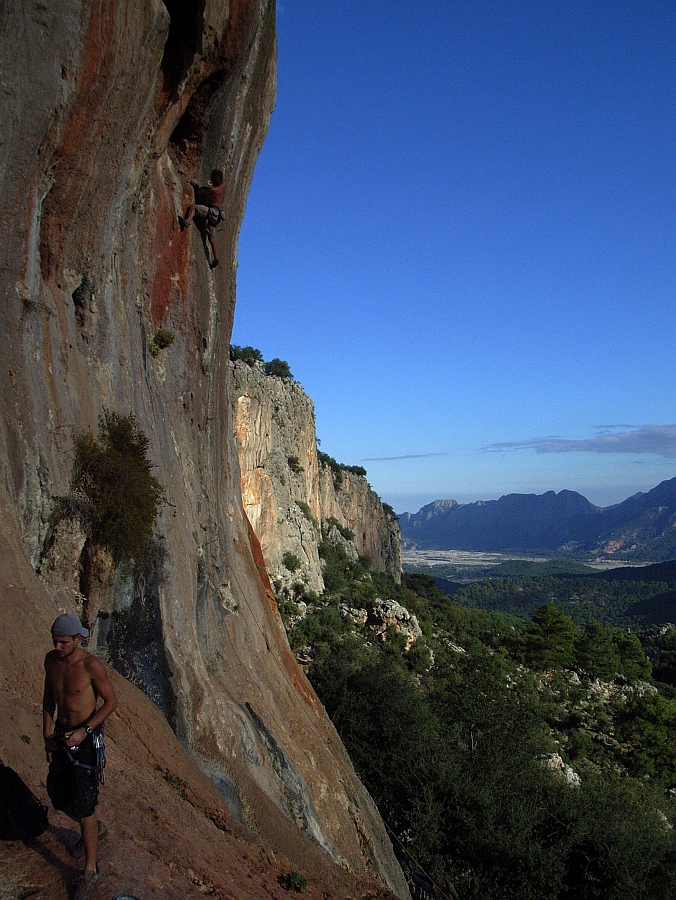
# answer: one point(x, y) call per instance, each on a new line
point(68, 625)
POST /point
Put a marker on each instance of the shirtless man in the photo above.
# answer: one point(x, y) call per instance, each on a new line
point(75, 681)
point(204, 199)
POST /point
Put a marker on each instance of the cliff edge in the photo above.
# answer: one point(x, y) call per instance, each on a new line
point(108, 108)
point(292, 495)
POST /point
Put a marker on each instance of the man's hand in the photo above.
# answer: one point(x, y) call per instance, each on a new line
point(49, 747)
point(73, 738)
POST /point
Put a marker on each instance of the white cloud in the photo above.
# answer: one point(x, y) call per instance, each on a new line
point(655, 440)
point(407, 456)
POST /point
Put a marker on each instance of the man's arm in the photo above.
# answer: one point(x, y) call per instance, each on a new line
point(103, 689)
point(48, 710)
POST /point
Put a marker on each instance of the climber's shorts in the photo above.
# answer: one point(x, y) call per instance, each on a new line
point(203, 219)
point(72, 784)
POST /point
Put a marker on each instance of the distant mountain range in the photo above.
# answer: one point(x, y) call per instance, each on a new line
point(642, 527)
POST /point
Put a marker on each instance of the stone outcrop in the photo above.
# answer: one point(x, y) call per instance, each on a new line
point(108, 107)
point(290, 496)
point(554, 763)
point(386, 615)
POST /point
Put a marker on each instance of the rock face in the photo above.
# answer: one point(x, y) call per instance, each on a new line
point(290, 496)
point(388, 614)
point(109, 106)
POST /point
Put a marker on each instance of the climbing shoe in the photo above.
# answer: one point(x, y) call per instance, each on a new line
point(83, 886)
point(77, 852)
point(183, 222)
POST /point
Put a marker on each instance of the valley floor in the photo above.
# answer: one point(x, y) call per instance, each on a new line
point(412, 559)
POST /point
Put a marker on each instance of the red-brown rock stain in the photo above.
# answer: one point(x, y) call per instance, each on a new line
point(241, 22)
point(172, 256)
point(79, 137)
point(296, 675)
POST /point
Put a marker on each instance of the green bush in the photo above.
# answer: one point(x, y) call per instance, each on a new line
point(290, 561)
point(293, 881)
point(388, 510)
point(119, 499)
point(249, 355)
point(278, 367)
point(347, 533)
point(294, 465)
point(337, 469)
point(161, 341)
point(307, 512)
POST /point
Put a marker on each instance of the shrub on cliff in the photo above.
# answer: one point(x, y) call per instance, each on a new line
point(249, 355)
point(337, 469)
point(161, 341)
point(290, 561)
point(278, 367)
point(294, 465)
point(119, 498)
point(293, 881)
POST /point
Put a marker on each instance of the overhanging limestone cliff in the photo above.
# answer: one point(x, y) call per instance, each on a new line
point(109, 106)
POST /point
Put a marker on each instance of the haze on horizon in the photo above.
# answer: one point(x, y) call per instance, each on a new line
point(461, 235)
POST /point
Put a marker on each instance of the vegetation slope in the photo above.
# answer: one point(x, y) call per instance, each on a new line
point(520, 756)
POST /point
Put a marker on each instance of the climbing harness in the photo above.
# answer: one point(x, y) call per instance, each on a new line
point(99, 755)
point(216, 215)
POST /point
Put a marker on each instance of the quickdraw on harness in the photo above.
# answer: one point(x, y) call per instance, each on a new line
point(99, 756)
point(216, 215)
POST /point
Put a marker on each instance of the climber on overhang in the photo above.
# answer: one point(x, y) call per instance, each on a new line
point(206, 210)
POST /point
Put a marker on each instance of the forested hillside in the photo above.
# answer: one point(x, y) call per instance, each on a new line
point(623, 597)
point(512, 756)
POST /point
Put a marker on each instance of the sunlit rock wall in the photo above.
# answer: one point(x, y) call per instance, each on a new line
point(290, 496)
point(108, 107)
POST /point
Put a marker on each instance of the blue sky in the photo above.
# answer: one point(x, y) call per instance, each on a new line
point(461, 235)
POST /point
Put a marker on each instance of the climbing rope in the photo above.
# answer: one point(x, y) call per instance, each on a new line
point(420, 869)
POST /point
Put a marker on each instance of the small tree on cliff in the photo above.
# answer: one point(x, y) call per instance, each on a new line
point(278, 367)
point(249, 355)
point(119, 497)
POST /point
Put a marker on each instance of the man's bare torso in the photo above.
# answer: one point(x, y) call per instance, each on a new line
point(70, 680)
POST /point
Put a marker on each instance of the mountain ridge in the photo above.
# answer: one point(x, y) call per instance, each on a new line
point(641, 527)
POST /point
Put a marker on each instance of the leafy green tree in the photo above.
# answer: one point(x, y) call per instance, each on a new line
point(249, 355)
point(113, 476)
point(648, 724)
point(595, 651)
point(633, 661)
point(278, 367)
point(550, 639)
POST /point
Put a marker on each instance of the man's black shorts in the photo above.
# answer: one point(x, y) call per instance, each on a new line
point(73, 788)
